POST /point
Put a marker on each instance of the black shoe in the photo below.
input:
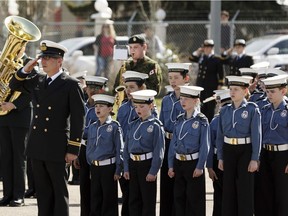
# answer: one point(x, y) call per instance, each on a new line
point(16, 203)
point(5, 201)
point(30, 193)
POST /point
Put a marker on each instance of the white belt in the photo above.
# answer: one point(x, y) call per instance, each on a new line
point(168, 135)
point(187, 157)
point(237, 141)
point(272, 147)
point(141, 157)
point(104, 162)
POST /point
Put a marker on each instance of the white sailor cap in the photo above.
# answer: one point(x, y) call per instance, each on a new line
point(134, 76)
point(222, 95)
point(103, 99)
point(241, 42)
point(144, 96)
point(190, 91)
point(248, 72)
point(50, 48)
point(79, 75)
point(271, 72)
point(208, 42)
point(239, 80)
point(259, 65)
point(178, 67)
point(276, 81)
point(95, 81)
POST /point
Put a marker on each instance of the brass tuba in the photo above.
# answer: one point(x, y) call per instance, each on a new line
point(21, 31)
point(120, 90)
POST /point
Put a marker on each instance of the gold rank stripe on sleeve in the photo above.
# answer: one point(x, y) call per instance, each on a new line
point(19, 78)
point(70, 142)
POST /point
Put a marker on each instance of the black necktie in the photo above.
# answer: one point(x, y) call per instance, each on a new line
point(47, 81)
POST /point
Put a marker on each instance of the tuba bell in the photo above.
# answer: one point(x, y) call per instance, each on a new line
point(21, 31)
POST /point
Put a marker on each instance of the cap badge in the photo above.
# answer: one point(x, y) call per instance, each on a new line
point(109, 128)
point(43, 47)
point(134, 39)
point(244, 114)
point(195, 125)
point(150, 129)
point(283, 113)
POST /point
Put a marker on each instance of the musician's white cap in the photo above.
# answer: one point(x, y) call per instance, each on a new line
point(260, 65)
point(144, 96)
point(222, 95)
point(276, 81)
point(178, 67)
point(103, 99)
point(133, 76)
point(95, 80)
point(169, 88)
point(50, 48)
point(190, 91)
point(248, 72)
point(239, 80)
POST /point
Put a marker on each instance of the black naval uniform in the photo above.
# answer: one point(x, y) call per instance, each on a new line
point(56, 129)
point(13, 130)
point(235, 62)
point(210, 75)
point(147, 66)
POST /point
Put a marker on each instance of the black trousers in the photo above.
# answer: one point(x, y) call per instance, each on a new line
point(85, 183)
point(30, 175)
point(124, 185)
point(13, 161)
point(51, 186)
point(189, 192)
point(142, 194)
point(166, 186)
point(218, 188)
point(104, 192)
point(238, 183)
point(273, 184)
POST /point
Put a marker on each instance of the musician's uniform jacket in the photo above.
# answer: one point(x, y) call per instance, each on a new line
point(238, 61)
point(58, 117)
point(147, 66)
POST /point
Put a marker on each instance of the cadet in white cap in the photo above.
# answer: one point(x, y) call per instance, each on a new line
point(95, 85)
point(170, 109)
point(238, 146)
point(210, 75)
point(188, 153)
point(143, 155)
point(272, 192)
point(81, 77)
point(134, 81)
point(57, 105)
point(238, 59)
point(223, 98)
point(104, 145)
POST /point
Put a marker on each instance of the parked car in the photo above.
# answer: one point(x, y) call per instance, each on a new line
point(81, 56)
point(271, 48)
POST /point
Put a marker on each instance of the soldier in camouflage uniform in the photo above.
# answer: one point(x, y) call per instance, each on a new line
point(141, 63)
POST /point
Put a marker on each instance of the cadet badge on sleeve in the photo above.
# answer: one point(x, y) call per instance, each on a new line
point(195, 125)
point(244, 114)
point(283, 113)
point(109, 128)
point(150, 129)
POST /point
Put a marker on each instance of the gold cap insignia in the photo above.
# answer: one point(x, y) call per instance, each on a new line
point(134, 39)
point(43, 47)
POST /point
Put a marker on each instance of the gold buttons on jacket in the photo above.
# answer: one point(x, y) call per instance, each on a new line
point(36, 116)
point(49, 108)
point(47, 119)
point(45, 130)
point(34, 127)
point(38, 105)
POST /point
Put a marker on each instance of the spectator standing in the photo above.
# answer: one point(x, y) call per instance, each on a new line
point(225, 31)
point(210, 75)
point(154, 44)
point(103, 46)
point(57, 126)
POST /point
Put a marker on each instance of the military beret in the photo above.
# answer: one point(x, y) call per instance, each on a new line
point(139, 38)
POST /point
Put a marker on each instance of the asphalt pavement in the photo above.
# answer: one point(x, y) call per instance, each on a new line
point(30, 208)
